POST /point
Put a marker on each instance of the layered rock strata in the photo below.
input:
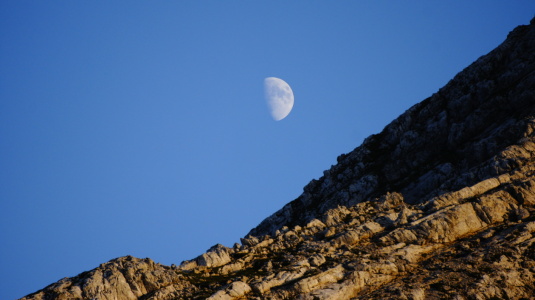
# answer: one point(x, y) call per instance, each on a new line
point(439, 205)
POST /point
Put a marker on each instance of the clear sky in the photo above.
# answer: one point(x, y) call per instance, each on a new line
point(140, 127)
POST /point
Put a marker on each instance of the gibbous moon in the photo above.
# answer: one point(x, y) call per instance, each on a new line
point(279, 97)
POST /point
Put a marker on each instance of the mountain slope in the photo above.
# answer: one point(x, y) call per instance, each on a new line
point(440, 204)
point(441, 144)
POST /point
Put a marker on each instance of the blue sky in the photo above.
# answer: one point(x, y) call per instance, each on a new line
point(140, 128)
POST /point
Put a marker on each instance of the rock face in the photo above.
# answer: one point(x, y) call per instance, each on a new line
point(439, 205)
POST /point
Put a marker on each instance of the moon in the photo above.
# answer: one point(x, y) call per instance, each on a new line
point(279, 97)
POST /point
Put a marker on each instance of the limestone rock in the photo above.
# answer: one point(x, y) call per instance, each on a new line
point(216, 256)
point(235, 290)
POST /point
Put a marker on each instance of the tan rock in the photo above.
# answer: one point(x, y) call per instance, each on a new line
point(216, 256)
point(235, 290)
point(314, 282)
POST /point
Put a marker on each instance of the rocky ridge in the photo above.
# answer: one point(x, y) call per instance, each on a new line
point(439, 205)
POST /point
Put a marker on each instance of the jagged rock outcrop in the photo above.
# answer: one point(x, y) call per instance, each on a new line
point(439, 205)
